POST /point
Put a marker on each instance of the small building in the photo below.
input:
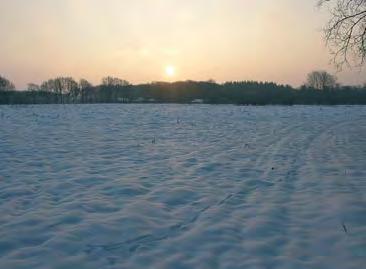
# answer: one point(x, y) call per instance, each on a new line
point(197, 101)
point(140, 100)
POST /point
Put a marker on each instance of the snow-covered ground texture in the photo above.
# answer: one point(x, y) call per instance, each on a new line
point(182, 186)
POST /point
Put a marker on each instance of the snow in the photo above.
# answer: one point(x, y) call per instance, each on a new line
point(182, 186)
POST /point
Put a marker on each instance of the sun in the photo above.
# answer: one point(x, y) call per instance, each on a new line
point(170, 71)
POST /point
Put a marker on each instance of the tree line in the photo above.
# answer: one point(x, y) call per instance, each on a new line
point(320, 88)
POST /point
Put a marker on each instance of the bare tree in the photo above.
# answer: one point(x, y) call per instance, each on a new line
point(321, 80)
point(111, 81)
point(70, 87)
point(62, 86)
point(48, 86)
point(84, 84)
point(85, 88)
point(33, 87)
point(345, 33)
point(6, 85)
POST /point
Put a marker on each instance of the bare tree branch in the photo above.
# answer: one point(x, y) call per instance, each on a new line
point(345, 32)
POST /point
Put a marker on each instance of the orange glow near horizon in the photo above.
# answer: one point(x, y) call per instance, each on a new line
point(225, 40)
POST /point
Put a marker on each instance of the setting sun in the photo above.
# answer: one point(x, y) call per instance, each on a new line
point(170, 70)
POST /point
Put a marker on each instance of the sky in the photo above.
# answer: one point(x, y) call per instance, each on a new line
point(165, 40)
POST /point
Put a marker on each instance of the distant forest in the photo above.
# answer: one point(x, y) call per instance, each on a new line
point(320, 89)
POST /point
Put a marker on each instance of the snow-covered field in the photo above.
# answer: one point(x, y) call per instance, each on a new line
point(180, 186)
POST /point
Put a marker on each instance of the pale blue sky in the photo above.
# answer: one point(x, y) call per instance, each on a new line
point(272, 40)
